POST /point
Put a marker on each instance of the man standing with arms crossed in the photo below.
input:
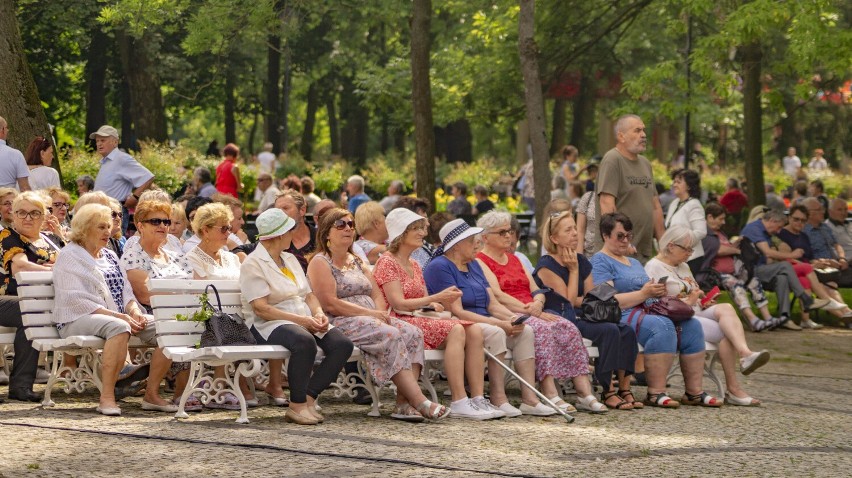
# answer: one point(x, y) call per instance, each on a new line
point(13, 168)
point(626, 184)
point(120, 177)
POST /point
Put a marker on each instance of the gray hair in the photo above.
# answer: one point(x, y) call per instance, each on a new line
point(203, 174)
point(397, 186)
point(492, 219)
point(679, 235)
point(621, 122)
point(812, 203)
point(774, 215)
point(356, 180)
point(88, 181)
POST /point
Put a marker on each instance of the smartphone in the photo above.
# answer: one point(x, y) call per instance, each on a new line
point(428, 308)
point(520, 320)
point(663, 280)
point(712, 294)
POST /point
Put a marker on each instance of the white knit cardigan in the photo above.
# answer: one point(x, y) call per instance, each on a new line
point(79, 286)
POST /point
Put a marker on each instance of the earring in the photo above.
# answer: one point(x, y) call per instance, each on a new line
point(328, 244)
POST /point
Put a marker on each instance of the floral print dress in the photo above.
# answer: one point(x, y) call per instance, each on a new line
point(388, 348)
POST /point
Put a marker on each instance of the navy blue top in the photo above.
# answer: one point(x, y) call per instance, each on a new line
point(797, 241)
point(442, 273)
point(756, 232)
point(553, 300)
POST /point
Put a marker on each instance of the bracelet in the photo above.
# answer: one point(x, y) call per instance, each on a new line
point(542, 291)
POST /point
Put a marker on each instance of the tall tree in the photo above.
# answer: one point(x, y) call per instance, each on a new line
point(421, 98)
point(19, 99)
point(533, 99)
point(146, 97)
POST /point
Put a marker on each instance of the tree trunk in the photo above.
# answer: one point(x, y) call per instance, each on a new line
point(752, 127)
point(333, 125)
point(790, 137)
point(559, 136)
point(273, 112)
point(421, 98)
point(149, 115)
point(19, 101)
point(128, 136)
point(454, 142)
point(534, 103)
point(95, 83)
point(355, 121)
point(286, 90)
point(583, 112)
point(230, 106)
point(306, 147)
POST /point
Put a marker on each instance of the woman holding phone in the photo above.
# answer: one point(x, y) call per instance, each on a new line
point(719, 321)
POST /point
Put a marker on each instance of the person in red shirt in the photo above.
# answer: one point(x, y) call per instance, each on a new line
point(734, 199)
point(228, 173)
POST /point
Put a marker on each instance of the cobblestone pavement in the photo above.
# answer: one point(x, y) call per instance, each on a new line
point(804, 428)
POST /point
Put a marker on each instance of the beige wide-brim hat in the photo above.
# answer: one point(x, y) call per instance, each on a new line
point(454, 232)
point(398, 220)
point(273, 223)
point(105, 131)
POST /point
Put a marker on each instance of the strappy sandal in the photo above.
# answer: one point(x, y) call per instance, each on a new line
point(439, 413)
point(405, 413)
point(703, 399)
point(660, 400)
point(621, 405)
point(760, 325)
point(636, 404)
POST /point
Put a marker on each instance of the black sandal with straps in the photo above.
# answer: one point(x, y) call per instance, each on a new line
point(621, 405)
point(635, 403)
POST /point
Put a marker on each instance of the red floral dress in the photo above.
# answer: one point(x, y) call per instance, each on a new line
point(559, 348)
point(388, 269)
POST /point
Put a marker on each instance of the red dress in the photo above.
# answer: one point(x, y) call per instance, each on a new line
point(226, 183)
point(387, 269)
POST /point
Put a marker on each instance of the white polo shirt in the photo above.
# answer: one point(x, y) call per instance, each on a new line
point(12, 166)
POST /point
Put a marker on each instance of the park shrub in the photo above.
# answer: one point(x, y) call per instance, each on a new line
point(485, 171)
point(292, 163)
point(330, 177)
point(381, 170)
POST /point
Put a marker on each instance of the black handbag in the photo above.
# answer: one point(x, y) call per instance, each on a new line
point(223, 328)
point(600, 305)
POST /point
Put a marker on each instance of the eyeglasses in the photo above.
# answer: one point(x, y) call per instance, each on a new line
point(340, 224)
point(621, 236)
point(6, 204)
point(116, 215)
point(156, 222)
point(502, 232)
point(222, 229)
point(684, 249)
point(34, 215)
point(61, 205)
point(798, 219)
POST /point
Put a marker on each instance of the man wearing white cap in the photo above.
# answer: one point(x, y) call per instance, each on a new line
point(121, 177)
point(13, 168)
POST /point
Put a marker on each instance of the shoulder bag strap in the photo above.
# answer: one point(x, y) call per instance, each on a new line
point(218, 299)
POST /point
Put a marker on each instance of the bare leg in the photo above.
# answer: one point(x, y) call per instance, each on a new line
point(582, 385)
point(274, 387)
point(548, 387)
point(657, 367)
point(407, 389)
point(181, 380)
point(159, 367)
point(526, 369)
point(497, 382)
point(732, 328)
point(728, 359)
point(692, 367)
point(474, 361)
point(112, 359)
point(454, 361)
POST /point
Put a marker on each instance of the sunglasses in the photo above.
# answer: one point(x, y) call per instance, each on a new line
point(156, 222)
point(222, 229)
point(341, 224)
point(621, 236)
point(116, 215)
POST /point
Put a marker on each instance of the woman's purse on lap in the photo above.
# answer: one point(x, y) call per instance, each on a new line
point(671, 307)
point(600, 305)
point(223, 328)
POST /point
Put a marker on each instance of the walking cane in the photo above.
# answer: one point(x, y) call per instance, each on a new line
point(568, 418)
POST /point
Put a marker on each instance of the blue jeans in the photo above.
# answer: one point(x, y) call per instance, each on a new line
point(657, 334)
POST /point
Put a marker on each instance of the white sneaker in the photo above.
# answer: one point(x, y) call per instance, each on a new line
point(510, 410)
point(484, 404)
point(539, 410)
point(810, 324)
point(465, 408)
point(834, 305)
point(42, 376)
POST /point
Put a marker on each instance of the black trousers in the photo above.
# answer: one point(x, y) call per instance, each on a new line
point(303, 351)
point(25, 365)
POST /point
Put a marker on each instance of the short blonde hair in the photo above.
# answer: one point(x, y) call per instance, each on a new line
point(550, 223)
point(227, 200)
point(88, 217)
point(92, 197)
point(35, 198)
point(146, 208)
point(178, 212)
point(210, 214)
point(7, 191)
point(366, 215)
point(154, 195)
point(56, 191)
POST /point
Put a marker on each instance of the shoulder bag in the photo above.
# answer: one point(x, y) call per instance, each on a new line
point(223, 328)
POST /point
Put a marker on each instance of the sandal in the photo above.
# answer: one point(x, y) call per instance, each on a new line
point(766, 324)
point(661, 400)
point(405, 413)
point(703, 399)
point(731, 399)
point(193, 404)
point(621, 405)
point(438, 413)
point(636, 404)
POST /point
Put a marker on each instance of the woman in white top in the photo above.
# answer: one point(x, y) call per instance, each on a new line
point(39, 158)
point(719, 321)
point(281, 309)
point(686, 210)
point(97, 299)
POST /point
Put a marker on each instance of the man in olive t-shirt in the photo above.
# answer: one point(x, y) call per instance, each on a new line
point(626, 184)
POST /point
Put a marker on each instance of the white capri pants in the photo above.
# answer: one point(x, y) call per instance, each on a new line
point(494, 340)
point(107, 327)
point(710, 325)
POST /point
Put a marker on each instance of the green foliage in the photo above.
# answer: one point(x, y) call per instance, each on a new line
point(203, 314)
point(485, 171)
point(330, 177)
point(293, 163)
point(381, 170)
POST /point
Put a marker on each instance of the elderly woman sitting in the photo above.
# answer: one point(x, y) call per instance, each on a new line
point(370, 225)
point(282, 310)
point(719, 321)
point(455, 265)
point(655, 333)
point(392, 347)
point(97, 299)
point(559, 349)
point(23, 248)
